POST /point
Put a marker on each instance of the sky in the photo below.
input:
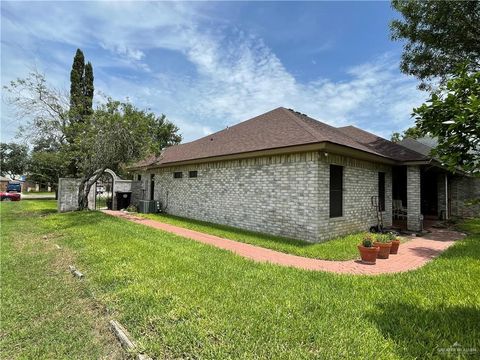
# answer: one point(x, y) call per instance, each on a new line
point(208, 65)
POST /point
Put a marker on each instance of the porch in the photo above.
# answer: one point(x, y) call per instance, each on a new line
point(420, 196)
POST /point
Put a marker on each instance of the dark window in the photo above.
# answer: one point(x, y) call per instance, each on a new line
point(139, 177)
point(381, 191)
point(192, 174)
point(152, 185)
point(336, 191)
point(177, 175)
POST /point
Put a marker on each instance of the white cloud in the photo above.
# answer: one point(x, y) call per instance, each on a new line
point(237, 75)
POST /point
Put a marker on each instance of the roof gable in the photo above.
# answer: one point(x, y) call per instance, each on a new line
point(278, 128)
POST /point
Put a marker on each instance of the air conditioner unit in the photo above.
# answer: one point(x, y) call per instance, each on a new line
point(149, 206)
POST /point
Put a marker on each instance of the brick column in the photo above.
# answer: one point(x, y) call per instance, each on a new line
point(413, 198)
point(441, 200)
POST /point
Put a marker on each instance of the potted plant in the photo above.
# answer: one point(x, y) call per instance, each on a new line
point(395, 242)
point(368, 251)
point(384, 243)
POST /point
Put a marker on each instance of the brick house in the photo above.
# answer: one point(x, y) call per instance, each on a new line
point(287, 174)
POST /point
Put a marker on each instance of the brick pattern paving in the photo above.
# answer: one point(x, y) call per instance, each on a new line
point(412, 255)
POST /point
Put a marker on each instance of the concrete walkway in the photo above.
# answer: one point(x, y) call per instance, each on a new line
point(412, 255)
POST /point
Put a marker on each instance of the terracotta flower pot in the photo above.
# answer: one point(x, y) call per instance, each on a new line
point(384, 251)
point(395, 245)
point(368, 254)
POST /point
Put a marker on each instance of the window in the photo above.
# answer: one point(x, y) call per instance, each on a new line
point(152, 186)
point(177, 175)
point(381, 191)
point(336, 191)
point(193, 174)
point(139, 177)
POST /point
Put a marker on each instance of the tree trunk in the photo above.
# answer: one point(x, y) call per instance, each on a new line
point(85, 186)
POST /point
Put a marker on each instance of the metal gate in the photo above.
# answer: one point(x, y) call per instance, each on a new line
point(104, 192)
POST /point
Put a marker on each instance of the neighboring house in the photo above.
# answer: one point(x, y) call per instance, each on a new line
point(3, 183)
point(287, 174)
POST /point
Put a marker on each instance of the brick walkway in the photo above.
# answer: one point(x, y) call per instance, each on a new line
point(412, 255)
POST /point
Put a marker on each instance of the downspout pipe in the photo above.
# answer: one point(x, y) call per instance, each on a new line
point(446, 196)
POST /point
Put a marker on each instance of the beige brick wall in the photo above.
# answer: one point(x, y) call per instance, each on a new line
point(276, 194)
point(360, 183)
point(285, 195)
point(463, 191)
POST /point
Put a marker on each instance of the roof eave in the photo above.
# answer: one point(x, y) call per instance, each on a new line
point(320, 146)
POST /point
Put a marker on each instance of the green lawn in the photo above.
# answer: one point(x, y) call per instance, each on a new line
point(45, 314)
point(183, 299)
point(341, 248)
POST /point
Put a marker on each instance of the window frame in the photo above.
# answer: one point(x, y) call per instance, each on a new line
point(191, 173)
point(381, 191)
point(336, 197)
point(179, 173)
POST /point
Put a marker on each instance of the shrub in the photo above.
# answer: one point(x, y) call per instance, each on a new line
point(132, 208)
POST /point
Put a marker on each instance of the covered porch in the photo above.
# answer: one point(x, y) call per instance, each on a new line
point(420, 196)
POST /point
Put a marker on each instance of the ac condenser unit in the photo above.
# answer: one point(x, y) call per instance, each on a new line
point(148, 206)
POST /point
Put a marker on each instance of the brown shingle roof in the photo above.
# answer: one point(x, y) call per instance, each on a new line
point(278, 128)
point(387, 148)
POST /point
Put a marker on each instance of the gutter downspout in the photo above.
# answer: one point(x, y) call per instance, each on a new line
point(446, 196)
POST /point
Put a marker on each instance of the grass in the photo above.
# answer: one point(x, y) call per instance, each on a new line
point(183, 299)
point(340, 248)
point(45, 314)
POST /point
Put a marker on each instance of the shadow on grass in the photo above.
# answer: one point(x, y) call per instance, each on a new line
point(429, 333)
point(279, 239)
point(467, 248)
point(83, 218)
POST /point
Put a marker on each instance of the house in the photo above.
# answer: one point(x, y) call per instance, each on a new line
point(287, 174)
point(3, 183)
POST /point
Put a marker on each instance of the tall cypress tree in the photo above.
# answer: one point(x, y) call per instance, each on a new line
point(88, 90)
point(81, 101)
point(81, 88)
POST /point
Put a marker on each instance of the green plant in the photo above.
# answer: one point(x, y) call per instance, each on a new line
point(368, 240)
point(391, 236)
point(132, 208)
point(384, 238)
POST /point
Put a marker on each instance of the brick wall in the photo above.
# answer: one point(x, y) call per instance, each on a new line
point(463, 191)
point(286, 195)
point(414, 222)
point(276, 194)
point(441, 200)
point(360, 183)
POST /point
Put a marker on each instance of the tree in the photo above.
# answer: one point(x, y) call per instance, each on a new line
point(162, 132)
point(81, 101)
point(440, 35)
point(47, 164)
point(45, 108)
point(13, 159)
point(81, 88)
point(412, 132)
point(453, 117)
point(110, 136)
point(116, 134)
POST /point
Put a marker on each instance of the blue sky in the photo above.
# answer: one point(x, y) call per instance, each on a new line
point(207, 65)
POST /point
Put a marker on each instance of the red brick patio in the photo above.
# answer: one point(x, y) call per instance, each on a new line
point(412, 255)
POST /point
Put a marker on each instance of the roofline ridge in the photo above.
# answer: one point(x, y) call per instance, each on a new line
point(307, 127)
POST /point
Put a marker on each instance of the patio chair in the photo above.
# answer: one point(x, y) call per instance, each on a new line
point(399, 211)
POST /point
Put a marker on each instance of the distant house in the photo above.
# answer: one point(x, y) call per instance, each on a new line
point(3, 183)
point(287, 174)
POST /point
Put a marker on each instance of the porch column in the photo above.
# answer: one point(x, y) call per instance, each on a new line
point(413, 198)
point(442, 196)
